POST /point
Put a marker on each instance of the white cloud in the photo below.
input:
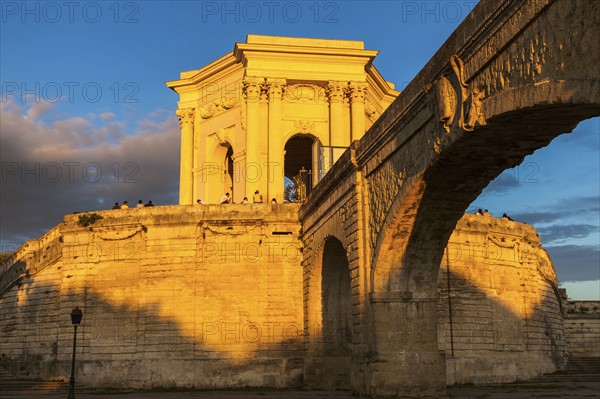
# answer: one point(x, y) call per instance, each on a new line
point(107, 115)
point(39, 109)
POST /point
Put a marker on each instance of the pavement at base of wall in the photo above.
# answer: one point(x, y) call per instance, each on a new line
point(524, 390)
point(580, 379)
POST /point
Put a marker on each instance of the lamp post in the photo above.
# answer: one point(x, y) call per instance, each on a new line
point(76, 316)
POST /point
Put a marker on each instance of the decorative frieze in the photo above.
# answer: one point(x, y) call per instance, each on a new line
point(304, 93)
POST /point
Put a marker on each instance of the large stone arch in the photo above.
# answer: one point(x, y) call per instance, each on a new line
point(512, 77)
point(328, 317)
point(485, 110)
point(423, 216)
point(525, 98)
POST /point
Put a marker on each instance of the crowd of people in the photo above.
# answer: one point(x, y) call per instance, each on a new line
point(486, 213)
point(257, 198)
point(125, 205)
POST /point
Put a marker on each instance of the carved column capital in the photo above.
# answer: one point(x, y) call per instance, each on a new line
point(275, 88)
point(264, 92)
point(186, 116)
point(335, 91)
point(357, 91)
point(251, 88)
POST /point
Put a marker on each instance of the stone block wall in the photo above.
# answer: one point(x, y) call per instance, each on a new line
point(499, 309)
point(582, 327)
point(339, 220)
point(212, 296)
point(195, 296)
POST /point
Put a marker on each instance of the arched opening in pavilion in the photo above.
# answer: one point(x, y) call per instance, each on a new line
point(299, 161)
point(228, 170)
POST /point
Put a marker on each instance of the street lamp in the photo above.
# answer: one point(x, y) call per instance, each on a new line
point(76, 316)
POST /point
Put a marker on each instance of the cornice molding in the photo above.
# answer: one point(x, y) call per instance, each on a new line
point(202, 74)
point(241, 48)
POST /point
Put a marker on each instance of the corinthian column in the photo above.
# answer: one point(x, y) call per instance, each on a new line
point(186, 121)
point(357, 91)
point(276, 159)
point(248, 181)
point(335, 92)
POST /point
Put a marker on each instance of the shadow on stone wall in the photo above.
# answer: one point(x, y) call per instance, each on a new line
point(159, 309)
point(124, 346)
point(177, 321)
point(487, 341)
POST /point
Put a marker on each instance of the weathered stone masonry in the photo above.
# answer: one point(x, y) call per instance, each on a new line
point(185, 296)
point(582, 326)
point(172, 296)
point(512, 77)
point(499, 310)
point(211, 296)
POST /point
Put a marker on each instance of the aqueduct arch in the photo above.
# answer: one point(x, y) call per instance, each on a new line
point(329, 318)
point(512, 77)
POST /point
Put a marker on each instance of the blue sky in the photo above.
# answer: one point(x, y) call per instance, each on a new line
point(86, 119)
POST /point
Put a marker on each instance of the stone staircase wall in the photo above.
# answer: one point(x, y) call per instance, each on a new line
point(582, 327)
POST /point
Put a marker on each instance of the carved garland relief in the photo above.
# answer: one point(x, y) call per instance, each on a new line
point(304, 93)
point(217, 107)
point(216, 231)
